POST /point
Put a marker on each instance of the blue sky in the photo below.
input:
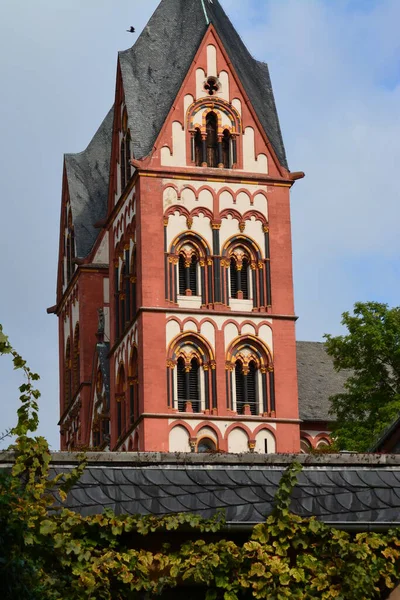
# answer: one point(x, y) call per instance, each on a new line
point(335, 69)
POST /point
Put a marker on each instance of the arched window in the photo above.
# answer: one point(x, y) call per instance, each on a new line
point(212, 139)
point(68, 375)
point(191, 374)
point(133, 388)
point(188, 267)
point(120, 400)
point(122, 298)
point(182, 275)
point(133, 281)
point(239, 274)
point(250, 377)
point(194, 385)
point(77, 359)
point(239, 380)
point(181, 376)
point(246, 388)
point(206, 445)
point(188, 385)
point(198, 148)
point(226, 150)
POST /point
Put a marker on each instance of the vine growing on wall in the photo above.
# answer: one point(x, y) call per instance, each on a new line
point(48, 552)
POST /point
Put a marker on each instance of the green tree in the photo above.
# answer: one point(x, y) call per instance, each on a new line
point(371, 353)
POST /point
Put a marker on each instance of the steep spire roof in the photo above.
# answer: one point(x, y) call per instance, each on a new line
point(153, 71)
point(154, 68)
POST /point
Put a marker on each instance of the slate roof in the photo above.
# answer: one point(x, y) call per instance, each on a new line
point(88, 174)
point(317, 380)
point(349, 491)
point(153, 70)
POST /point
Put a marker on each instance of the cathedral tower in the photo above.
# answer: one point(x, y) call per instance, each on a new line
point(175, 292)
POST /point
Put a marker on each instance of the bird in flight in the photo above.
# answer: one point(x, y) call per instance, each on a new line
point(131, 29)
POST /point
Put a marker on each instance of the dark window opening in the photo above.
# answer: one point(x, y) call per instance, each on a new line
point(182, 275)
point(188, 276)
point(252, 388)
point(212, 140)
point(239, 379)
point(198, 148)
point(181, 385)
point(239, 279)
point(246, 388)
point(96, 438)
point(226, 149)
point(194, 385)
point(188, 385)
point(234, 278)
point(122, 304)
point(244, 279)
point(206, 445)
point(193, 276)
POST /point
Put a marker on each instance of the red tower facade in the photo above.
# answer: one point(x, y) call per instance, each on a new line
point(175, 291)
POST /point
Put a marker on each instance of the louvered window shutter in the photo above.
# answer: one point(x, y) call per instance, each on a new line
point(239, 378)
point(181, 384)
point(244, 279)
point(233, 278)
point(252, 388)
point(193, 276)
point(194, 388)
point(182, 278)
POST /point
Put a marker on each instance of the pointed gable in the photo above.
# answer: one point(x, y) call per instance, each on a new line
point(254, 76)
point(153, 70)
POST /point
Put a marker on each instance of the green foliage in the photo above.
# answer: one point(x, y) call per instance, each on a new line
point(48, 552)
point(371, 351)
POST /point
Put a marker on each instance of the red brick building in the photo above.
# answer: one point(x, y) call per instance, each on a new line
point(175, 291)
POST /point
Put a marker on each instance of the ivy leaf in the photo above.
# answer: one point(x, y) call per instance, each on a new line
point(47, 527)
point(230, 596)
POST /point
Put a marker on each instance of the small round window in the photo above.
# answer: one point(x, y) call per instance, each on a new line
point(206, 445)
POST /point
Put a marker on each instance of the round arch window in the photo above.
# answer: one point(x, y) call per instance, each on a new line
point(206, 445)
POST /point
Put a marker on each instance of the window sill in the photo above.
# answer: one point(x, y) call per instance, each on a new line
point(241, 305)
point(189, 302)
